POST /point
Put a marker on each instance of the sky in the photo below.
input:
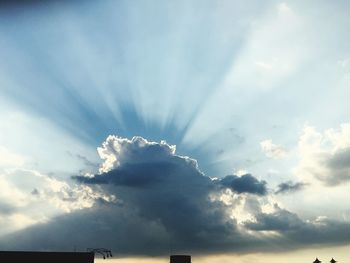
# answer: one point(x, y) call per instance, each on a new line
point(218, 129)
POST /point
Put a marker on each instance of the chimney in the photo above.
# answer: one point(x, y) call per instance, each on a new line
point(180, 259)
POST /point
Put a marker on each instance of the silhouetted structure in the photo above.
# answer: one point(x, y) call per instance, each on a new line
point(333, 261)
point(180, 259)
point(46, 257)
point(105, 253)
point(317, 261)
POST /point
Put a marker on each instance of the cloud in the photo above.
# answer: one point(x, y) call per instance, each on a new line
point(116, 151)
point(6, 208)
point(28, 197)
point(272, 150)
point(325, 156)
point(289, 230)
point(279, 220)
point(86, 161)
point(165, 203)
point(244, 184)
point(289, 187)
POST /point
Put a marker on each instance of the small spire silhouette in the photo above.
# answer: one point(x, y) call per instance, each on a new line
point(317, 261)
point(333, 261)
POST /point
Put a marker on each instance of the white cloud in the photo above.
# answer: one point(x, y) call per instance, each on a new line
point(325, 156)
point(272, 150)
point(116, 150)
point(240, 172)
point(28, 197)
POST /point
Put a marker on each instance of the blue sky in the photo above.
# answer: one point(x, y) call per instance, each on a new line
point(253, 87)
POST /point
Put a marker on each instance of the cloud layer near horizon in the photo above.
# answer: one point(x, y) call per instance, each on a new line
point(165, 203)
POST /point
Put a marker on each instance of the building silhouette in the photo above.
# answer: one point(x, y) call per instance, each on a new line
point(319, 261)
point(46, 257)
point(180, 259)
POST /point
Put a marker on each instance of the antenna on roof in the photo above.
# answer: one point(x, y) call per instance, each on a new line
point(105, 253)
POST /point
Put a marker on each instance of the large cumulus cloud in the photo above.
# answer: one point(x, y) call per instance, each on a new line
point(165, 203)
point(163, 187)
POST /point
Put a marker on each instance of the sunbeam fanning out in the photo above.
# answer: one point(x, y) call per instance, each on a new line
point(157, 127)
point(118, 70)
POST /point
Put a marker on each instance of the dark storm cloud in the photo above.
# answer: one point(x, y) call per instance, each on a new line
point(296, 232)
point(132, 175)
point(244, 184)
point(123, 229)
point(165, 203)
point(289, 187)
point(280, 220)
point(338, 168)
point(128, 231)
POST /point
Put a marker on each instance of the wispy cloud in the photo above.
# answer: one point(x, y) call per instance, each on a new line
point(272, 150)
point(289, 187)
